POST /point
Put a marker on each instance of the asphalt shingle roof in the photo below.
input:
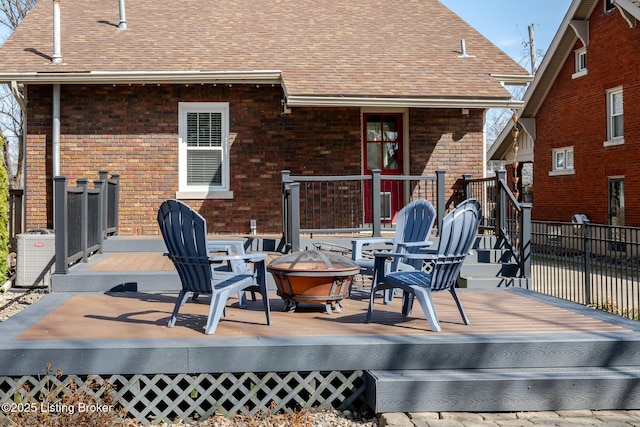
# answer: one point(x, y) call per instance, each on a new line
point(378, 48)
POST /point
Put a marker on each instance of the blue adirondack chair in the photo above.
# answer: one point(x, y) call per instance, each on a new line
point(231, 247)
point(185, 234)
point(441, 266)
point(413, 227)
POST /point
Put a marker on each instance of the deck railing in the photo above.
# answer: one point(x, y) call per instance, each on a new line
point(16, 217)
point(335, 204)
point(504, 216)
point(83, 217)
point(590, 264)
point(348, 204)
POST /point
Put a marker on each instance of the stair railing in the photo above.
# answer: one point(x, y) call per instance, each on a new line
point(504, 216)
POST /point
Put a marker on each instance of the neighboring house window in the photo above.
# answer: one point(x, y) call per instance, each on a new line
point(203, 157)
point(608, 5)
point(562, 161)
point(581, 62)
point(615, 117)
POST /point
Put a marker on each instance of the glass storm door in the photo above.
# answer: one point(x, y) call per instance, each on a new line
point(383, 150)
point(616, 213)
point(616, 202)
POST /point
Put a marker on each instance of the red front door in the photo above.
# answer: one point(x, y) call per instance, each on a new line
point(383, 150)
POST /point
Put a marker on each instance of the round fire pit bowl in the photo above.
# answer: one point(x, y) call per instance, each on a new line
point(313, 276)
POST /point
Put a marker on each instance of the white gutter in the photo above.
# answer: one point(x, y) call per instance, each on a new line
point(353, 101)
point(142, 77)
point(254, 76)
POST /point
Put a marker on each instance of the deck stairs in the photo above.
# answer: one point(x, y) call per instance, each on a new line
point(452, 372)
point(564, 373)
point(491, 265)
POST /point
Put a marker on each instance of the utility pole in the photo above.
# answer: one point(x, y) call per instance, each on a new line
point(532, 50)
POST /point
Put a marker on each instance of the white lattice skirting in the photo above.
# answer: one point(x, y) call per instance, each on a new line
point(165, 398)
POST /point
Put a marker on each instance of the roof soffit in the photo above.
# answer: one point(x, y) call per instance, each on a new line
point(630, 10)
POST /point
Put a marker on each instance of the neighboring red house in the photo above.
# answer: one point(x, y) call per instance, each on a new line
point(581, 120)
point(208, 101)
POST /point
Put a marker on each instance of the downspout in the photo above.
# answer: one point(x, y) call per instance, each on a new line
point(20, 99)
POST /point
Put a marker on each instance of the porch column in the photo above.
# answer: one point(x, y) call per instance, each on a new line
point(56, 130)
point(376, 220)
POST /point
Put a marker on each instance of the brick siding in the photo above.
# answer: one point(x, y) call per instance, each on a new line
point(133, 131)
point(575, 114)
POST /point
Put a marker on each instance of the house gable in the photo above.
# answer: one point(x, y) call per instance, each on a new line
point(573, 114)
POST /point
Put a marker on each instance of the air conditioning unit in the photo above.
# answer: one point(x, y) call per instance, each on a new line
point(35, 259)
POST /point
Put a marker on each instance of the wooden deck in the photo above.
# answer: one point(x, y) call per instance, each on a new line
point(143, 315)
point(140, 261)
point(521, 351)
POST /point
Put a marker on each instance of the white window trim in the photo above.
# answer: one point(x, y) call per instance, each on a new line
point(611, 140)
point(579, 72)
point(202, 192)
point(613, 7)
point(565, 170)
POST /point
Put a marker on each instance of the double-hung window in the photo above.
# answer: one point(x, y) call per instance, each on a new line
point(562, 161)
point(580, 57)
point(203, 154)
point(615, 117)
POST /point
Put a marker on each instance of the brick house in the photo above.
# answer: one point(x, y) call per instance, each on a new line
point(580, 120)
point(209, 101)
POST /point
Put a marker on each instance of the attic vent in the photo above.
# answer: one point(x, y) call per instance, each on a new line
point(463, 50)
point(56, 58)
point(123, 18)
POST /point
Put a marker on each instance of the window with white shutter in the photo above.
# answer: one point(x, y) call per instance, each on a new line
point(203, 152)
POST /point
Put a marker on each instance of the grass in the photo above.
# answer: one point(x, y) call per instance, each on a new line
point(610, 307)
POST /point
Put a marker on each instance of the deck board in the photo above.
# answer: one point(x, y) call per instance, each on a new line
point(144, 315)
point(139, 261)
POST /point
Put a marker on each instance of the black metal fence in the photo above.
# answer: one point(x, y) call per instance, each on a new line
point(83, 217)
point(591, 264)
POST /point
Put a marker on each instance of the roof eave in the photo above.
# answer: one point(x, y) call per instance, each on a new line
point(514, 79)
point(554, 59)
point(389, 102)
point(143, 77)
point(552, 63)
